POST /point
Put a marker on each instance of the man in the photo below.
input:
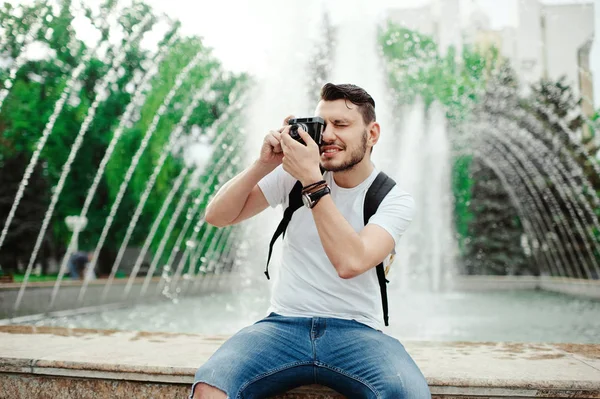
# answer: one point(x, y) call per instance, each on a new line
point(325, 319)
point(77, 264)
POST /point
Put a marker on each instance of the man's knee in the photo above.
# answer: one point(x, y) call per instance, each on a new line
point(205, 391)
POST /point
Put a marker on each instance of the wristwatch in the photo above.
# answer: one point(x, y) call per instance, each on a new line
point(311, 199)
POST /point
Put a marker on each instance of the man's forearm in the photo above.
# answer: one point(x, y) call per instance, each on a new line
point(342, 244)
point(229, 201)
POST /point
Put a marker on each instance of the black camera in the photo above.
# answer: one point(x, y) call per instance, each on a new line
point(314, 126)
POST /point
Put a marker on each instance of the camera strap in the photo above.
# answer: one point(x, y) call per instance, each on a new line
point(380, 187)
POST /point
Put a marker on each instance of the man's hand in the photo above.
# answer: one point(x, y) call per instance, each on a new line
point(299, 160)
point(271, 152)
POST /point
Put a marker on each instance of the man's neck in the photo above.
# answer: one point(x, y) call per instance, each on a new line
point(353, 177)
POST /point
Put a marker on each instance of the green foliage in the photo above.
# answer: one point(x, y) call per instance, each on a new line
point(593, 124)
point(555, 98)
point(478, 87)
point(33, 95)
point(416, 69)
point(463, 187)
point(493, 240)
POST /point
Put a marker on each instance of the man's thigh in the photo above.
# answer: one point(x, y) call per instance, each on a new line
point(359, 361)
point(266, 358)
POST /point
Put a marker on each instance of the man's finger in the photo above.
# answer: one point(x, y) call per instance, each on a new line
point(273, 137)
point(276, 134)
point(286, 138)
point(273, 142)
point(292, 143)
point(285, 123)
point(287, 119)
point(305, 136)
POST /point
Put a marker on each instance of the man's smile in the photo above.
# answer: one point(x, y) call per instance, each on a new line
point(330, 150)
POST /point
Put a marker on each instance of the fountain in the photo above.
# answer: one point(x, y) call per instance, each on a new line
point(416, 145)
point(44, 137)
point(101, 95)
point(411, 150)
point(202, 279)
point(76, 224)
point(137, 98)
point(141, 86)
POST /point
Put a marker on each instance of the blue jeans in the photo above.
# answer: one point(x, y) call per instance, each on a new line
point(280, 353)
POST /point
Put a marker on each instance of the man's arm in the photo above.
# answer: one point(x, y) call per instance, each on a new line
point(351, 253)
point(240, 198)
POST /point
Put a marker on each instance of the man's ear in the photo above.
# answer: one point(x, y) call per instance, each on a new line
point(373, 133)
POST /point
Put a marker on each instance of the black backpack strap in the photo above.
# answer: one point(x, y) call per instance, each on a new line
point(376, 193)
point(294, 202)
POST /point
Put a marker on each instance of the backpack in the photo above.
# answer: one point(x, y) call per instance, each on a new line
point(380, 187)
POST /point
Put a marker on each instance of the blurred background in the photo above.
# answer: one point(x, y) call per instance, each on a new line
point(120, 119)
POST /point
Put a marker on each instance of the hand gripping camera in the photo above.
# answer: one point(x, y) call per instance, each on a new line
point(314, 126)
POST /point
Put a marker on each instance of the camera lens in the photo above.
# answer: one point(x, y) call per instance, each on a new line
point(294, 132)
point(294, 129)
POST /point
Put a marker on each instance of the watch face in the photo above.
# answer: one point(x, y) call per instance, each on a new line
point(306, 200)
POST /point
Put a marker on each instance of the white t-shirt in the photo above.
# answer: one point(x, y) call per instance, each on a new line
point(307, 284)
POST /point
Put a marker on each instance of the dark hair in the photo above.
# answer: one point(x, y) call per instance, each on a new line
point(356, 95)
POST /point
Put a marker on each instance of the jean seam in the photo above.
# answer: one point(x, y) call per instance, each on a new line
point(271, 372)
point(312, 341)
point(314, 344)
point(355, 378)
point(323, 329)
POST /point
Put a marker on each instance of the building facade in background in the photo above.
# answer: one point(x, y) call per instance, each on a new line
point(586, 81)
point(565, 29)
point(548, 40)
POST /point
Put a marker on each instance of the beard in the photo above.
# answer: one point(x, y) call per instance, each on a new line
point(356, 156)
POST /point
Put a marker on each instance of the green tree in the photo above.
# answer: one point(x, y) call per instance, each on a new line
point(480, 88)
point(494, 229)
point(36, 89)
point(457, 81)
point(493, 245)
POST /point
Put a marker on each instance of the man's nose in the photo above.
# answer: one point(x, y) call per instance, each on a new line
point(328, 133)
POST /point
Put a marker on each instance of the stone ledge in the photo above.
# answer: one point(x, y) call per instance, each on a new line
point(115, 364)
point(68, 282)
point(43, 387)
point(35, 303)
point(565, 285)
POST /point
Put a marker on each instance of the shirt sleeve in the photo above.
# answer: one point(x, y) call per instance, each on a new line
point(395, 213)
point(276, 186)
